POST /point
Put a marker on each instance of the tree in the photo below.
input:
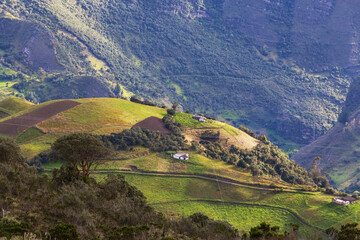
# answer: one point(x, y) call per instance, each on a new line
point(9, 151)
point(171, 112)
point(348, 231)
point(83, 151)
point(117, 90)
point(174, 106)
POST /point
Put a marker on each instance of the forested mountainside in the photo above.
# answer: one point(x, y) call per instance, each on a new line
point(254, 63)
point(339, 147)
point(318, 35)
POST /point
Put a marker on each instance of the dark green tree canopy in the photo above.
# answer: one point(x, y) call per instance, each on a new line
point(82, 150)
point(9, 151)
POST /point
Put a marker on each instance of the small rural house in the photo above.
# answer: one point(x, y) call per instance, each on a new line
point(345, 201)
point(199, 118)
point(181, 156)
point(351, 200)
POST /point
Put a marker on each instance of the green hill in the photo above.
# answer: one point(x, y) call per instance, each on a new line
point(204, 185)
point(219, 189)
point(13, 105)
point(108, 115)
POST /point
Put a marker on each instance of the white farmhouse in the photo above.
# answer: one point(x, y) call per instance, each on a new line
point(199, 118)
point(181, 156)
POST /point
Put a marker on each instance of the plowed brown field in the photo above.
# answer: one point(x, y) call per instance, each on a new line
point(155, 124)
point(17, 125)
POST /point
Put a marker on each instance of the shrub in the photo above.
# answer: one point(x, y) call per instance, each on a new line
point(10, 151)
point(10, 228)
point(171, 112)
point(64, 231)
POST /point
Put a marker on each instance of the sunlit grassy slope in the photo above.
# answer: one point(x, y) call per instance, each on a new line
point(105, 116)
point(244, 204)
point(13, 105)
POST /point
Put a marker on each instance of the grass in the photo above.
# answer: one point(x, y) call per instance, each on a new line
point(37, 145)
point(107, 111)
point(108, 115)
point(99, 116)
point(13, 105)
point(29, 135)
point(241, 217)
point(187, 121)
point(314, 208)
point(229, 134)
point(197, 164)
point(5, 84)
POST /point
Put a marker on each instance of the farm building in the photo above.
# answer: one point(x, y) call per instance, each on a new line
point(181, 156)
point(199, 118)
point(346, 201)
point(351, 200)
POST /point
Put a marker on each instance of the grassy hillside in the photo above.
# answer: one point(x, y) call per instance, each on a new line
point(214, 187)
point(13, 105)
point(181, 51)
point(182, 188)
point(107, 115)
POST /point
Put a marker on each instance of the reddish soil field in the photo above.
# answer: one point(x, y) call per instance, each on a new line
point(155, 124)
point(17, 125)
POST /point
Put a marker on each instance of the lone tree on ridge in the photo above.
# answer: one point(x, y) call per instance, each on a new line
point(84, 151)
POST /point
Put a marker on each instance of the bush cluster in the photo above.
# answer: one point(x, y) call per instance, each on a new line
point(264, 159)
point(143, 102)
point(157, 142)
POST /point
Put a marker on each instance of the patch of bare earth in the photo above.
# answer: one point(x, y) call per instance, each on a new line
point(155, 124)
point(17, 125)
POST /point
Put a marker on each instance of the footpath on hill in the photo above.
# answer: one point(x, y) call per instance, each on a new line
point(199, 175)
point(291, 212)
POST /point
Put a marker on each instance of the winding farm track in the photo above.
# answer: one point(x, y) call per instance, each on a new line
point(209, 177)
point(17, 125)
point(221, 180)
point(218, 179)
point(294, 214)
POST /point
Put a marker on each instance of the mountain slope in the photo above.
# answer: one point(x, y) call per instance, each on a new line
point(183, 51)
point(339, 147)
